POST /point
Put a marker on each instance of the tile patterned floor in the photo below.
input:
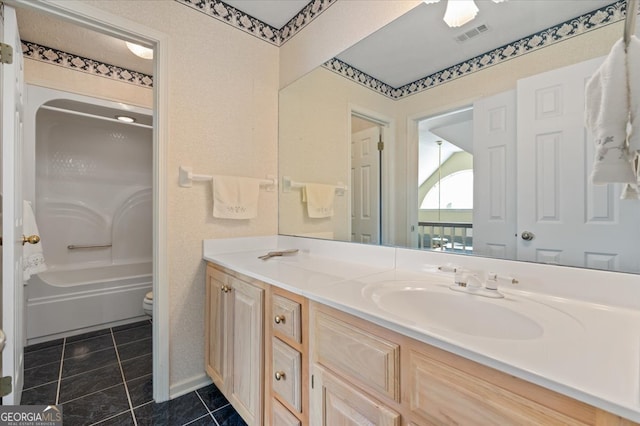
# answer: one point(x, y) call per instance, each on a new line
point(104, 377)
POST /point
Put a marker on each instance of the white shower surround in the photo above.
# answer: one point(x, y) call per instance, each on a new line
point(91, 185)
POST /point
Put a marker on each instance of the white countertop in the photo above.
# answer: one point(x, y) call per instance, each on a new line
point(585, 349)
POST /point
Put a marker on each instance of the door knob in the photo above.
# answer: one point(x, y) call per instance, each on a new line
point(527, 235)
point(31, 239)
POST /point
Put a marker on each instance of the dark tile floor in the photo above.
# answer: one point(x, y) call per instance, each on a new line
point(104, 377)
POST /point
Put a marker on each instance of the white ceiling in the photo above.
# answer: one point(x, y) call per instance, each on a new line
point(419, 43)
point(274, 12)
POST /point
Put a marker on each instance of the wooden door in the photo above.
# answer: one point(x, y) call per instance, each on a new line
point(216, 334)
point(13, 301)
point(336, 403)
point(573, 222)
point(246, 337)
point(365, 183)
point(494, 176)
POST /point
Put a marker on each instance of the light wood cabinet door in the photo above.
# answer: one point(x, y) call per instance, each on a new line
point(357, 354)
point(234, 330)
point(441, 394)
point(247, 349)
point(336, 403)
point(216, 325)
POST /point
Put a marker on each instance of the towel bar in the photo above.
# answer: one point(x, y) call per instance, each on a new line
point(87, 246)
point(288, 185)
point(187, 177)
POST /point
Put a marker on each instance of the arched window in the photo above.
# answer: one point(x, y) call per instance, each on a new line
point(456, 192)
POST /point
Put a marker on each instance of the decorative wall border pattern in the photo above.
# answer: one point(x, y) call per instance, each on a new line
point(78, 63)
point(568, 29)
point(230, 15)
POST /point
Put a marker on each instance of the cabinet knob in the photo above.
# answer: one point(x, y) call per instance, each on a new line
point(279, 319)
point(225, 288)
point(279, 375)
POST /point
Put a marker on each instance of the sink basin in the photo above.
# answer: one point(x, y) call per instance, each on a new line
point(439, 307)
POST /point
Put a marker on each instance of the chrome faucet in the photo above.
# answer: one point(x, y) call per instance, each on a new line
point(466, 281)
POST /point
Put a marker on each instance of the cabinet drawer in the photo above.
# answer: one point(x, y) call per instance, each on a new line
point(351, 351)
point(287, 373)
point(442, 394)
point(280, 416)
point(335, 402)
point(286, 317)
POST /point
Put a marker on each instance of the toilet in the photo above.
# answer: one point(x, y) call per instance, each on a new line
point(147, 304)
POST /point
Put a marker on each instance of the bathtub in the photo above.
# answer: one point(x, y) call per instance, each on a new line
point(65, 302)
point(89, 178)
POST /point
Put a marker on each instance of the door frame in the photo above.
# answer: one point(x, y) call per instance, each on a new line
point(412, 160)
point(387, 198)
point(117, 26)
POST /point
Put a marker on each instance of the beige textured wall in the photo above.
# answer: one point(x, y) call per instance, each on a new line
point(223, 117)
point(314, 130)
point(55, 77)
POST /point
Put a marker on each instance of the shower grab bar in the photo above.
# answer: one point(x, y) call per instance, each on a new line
point(87, 246)
point(186, 178)
point(288, 185)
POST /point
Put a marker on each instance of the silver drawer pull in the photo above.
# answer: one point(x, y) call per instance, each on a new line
point(279, 375)
point(279, 319)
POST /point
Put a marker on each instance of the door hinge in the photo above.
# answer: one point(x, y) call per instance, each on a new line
point(5, 386)
point(312, 381)
point(6, 54)
point(380, 144)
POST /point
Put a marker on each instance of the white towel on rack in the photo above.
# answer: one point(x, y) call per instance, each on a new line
point(607, 116)
point(633, 64)
point(235, 197)
point(319, 199)
point(32, 255)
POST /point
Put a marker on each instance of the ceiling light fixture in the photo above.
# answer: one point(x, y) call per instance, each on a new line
point(126, 118)
point(141, 51)
point(459, 12)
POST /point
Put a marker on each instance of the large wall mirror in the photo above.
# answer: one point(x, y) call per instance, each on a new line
point(468, 140)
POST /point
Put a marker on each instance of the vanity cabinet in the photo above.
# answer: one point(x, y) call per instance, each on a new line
point(234, 331)
point(287, 374)
point(282, 360)
point(368, 375)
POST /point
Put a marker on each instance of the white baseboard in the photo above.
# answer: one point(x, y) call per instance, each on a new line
point(186, 386)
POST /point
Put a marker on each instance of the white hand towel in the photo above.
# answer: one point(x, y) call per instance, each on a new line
point(319, 199)
point(32, 256)
point(235, 197)
point(606, 116)
point(633, 64)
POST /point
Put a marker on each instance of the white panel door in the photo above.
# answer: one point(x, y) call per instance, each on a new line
point(365, 181)
point(494, 176)
point(572, 221)
point(12, 282)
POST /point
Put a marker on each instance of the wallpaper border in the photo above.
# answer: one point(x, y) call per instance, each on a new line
point(63, 59)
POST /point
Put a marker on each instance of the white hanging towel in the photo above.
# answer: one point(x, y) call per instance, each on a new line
point(32, 255)
point(607, 116)
point(633, 64)
point(235, 197)
point(319, 199)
